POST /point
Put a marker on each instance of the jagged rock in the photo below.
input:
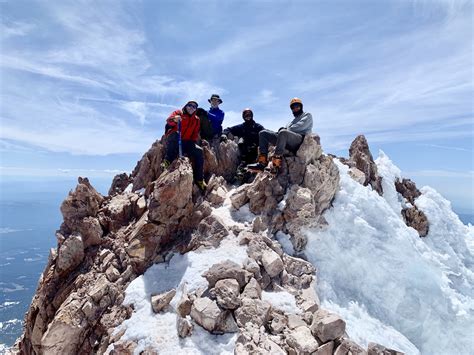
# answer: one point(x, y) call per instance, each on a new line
point(85, 201)
point(377, 349)
point(252, 266)
point(227, 292)
point(252, 311)
point(407, 189)
point(119, 183)
point(112, 274)
point(184, 305)
point(264, 193)
point(70, 254)
point(227, 270)
point(308, 300)
point(183, 326)
point(297, 266)
point(222, 159)
point(295, 321)
point(325, 349)
point(124, 348)
point(99, 289)
point(258, 225)
point(272, 262)
point(216, 191)
point(119, 211)
point(252, 290)
point(348, 347)
point(357, 175)
point(211, 230)
point(161, 301)
point(228, 325)
point(207, 313)
point(66, 332)
point(171, 199)
point(239, 197)
point(140, 207)
point(310, 150)
point(302, 340)
point(148, 168)
point(416, 219)
point(91, 231)
point(278, 323)
point(362, 159)
point(327, 326)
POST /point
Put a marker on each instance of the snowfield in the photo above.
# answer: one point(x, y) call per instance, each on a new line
point(393, 287)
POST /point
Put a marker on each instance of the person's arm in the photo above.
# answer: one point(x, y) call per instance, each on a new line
point(303, 125)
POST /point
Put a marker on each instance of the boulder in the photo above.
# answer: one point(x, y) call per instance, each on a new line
point(252, 311)
point(416, 219)
point(310, 149)
point(327, 326)
point(252, 290)
point(119, 211)
point(227, 270)
point(302, 340)
point(222, 159)
point(357, 175)
point(184, 305)
point(70, 254)
point(210, 231)
point(184, 327)
point(272, 263)
point(91, 231)
point(297, 266)
point(171, 198)
point(325, 349)
point(278, 323)
point(227, 292)
point(161, 301)
point(207, 314)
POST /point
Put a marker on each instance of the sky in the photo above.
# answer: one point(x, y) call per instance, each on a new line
point(86, 86)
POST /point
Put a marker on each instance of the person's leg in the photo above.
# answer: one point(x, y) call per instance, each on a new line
point(195, 152)
point(289, 140)
point(171, 147)
point(265, 138)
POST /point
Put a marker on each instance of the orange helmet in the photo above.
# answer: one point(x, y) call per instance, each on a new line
point(296, 100)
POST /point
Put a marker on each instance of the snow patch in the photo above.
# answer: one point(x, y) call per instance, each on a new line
point(283, 300)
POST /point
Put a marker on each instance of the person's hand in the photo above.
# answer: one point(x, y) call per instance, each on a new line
point(223, 138)
point(177, 118)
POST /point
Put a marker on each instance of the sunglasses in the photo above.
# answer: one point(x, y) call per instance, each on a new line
point(192, 106)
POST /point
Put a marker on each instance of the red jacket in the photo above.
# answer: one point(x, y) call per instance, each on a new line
point(190, 125)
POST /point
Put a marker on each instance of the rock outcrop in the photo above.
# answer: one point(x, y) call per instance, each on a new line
point(105, 242)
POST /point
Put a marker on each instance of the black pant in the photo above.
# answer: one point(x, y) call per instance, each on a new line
point(191, 149)
point(248, 152)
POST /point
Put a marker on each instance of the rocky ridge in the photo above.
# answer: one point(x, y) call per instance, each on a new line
point(107, 241)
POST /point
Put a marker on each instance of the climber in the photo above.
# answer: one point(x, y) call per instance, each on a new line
point(247, 133)
point(215, 115)
point(206, 127)
point(289, 137)
point(190, 125)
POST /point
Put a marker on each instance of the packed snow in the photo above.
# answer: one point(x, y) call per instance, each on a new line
point(283, 301)
point(374, 270)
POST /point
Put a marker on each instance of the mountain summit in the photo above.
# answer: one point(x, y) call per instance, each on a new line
point(331, 256)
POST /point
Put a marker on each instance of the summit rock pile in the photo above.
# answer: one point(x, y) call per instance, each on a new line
point(105, 242)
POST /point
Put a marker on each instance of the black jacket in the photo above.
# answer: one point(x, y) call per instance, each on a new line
point(248, 130)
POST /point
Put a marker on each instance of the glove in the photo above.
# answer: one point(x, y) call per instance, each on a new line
point(223, 138)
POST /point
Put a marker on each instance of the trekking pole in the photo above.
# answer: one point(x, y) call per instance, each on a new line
point(180, 144)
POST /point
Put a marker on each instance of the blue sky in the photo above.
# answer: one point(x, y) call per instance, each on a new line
point(86, 85)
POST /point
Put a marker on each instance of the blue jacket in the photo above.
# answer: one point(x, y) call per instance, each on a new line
point(216, 116)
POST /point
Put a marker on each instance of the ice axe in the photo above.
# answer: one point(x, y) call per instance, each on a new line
point(180, 143)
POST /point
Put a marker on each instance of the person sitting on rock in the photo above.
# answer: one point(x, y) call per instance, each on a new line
point(215, 115)
point(247, 133)
point(206, 126)
point(189, 132)
point(289, 137)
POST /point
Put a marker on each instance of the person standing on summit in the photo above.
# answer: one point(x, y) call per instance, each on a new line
point(289, 137)
point(215, 115)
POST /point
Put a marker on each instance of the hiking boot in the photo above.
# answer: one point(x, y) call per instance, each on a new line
point(201, 185)
point(276, 164)
point(260, 165)
point(165, 164)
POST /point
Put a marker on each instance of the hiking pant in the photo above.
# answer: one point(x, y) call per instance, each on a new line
point(190, 149)
point(284, 139)
point(248, 152)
